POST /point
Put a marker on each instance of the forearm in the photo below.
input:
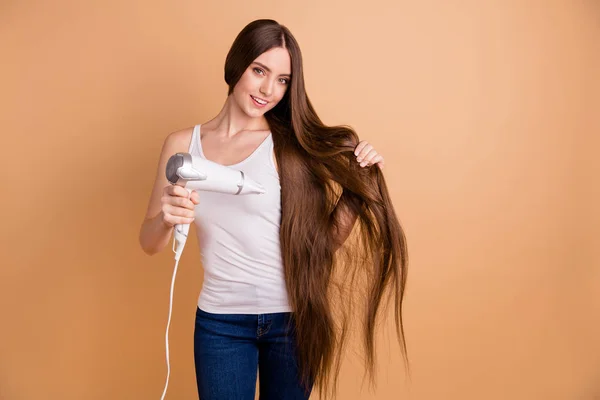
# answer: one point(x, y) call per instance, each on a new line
point(154, 234)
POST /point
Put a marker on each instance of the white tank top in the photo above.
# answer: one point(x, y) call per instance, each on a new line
point(239, 242)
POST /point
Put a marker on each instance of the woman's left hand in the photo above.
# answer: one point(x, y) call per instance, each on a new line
point(367, 156)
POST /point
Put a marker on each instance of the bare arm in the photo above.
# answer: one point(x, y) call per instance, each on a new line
point(155, 231)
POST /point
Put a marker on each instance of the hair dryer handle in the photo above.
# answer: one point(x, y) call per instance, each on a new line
point(180, 234)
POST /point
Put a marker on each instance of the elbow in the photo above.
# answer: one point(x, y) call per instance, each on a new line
point(148, 251)
point(146, 248)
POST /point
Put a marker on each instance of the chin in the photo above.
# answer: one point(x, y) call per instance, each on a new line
point(253, 113)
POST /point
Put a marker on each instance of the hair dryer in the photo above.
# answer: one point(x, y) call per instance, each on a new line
point(196, 173)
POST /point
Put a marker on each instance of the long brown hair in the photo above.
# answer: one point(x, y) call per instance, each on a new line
point(323, 188)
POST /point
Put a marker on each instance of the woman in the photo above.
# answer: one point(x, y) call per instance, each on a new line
point(267, 301)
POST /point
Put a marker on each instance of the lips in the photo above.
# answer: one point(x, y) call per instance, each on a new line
point(259, 101)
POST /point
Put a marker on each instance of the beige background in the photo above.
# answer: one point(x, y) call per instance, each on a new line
point(483, 111)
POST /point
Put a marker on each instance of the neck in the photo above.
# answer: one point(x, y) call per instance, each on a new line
point(232, 119)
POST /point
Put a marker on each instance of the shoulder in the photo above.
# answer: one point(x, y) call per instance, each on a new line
point(177, 141)
point(180, 138)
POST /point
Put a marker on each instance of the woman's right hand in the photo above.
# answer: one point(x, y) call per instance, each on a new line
point(177, 205)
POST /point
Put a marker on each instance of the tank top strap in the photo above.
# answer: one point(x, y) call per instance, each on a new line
point(195, 142)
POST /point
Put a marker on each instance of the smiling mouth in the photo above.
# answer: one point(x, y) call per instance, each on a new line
point(259, 101)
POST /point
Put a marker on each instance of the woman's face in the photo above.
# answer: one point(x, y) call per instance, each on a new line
point(264, 82)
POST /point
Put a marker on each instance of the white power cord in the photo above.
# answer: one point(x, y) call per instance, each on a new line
point(180, 237)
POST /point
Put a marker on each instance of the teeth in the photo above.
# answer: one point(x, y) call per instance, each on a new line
point(259, 101)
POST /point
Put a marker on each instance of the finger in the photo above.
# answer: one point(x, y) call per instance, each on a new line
point(177, 201)
point(174, 220)
point(185, 203)
point(363, 153)
point(178, 211)
point(176, 190)
point(171, 190)
point(361, 145)
point(366, 160)
point(375, 159)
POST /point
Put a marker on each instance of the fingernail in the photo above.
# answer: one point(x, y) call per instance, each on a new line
point(362, 164)
point(359, 159)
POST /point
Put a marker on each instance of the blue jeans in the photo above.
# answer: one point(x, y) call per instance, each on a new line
point(229, 350)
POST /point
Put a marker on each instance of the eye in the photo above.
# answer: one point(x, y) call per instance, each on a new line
point(285, 81)
point(258, 71)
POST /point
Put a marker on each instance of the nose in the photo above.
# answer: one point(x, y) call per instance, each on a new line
point(267, 87)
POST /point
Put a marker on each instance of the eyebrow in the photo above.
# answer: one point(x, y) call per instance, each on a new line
point(268, 69)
